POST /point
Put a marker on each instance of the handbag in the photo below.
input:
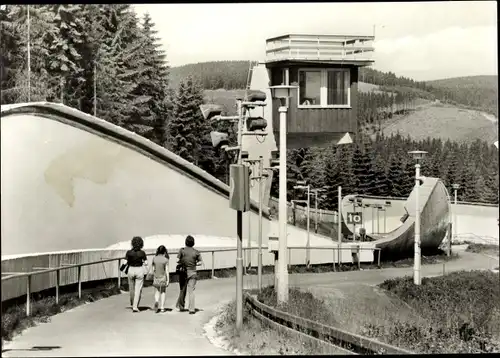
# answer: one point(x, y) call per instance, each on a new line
point(124, 268)
point(180, 268)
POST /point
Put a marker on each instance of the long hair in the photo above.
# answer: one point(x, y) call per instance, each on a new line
point(189, 241)
point(162, 250)
point(137, 243)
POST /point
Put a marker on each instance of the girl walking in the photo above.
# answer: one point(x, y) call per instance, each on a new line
point(137, 268)
point(161, 277)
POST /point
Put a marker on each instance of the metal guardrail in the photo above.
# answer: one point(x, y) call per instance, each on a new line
point(485, 239)
point(351, 342)
point(6, 276)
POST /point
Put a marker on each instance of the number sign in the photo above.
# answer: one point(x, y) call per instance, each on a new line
point(354, 218)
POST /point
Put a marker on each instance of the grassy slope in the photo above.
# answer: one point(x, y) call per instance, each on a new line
point(444, 121)
point(471, 81)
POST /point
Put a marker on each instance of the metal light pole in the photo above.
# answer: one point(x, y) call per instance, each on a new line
point(239, 241)
point(315, 192)
point(378, 219)
point(283, 94)
point(387, 205)
point(95, 89)
point(308, 215)
point(418, 156)
point(220, 140)
point(260, 176)
point(353, 201)
point(316, 211)
point(373, 218)
point(259, 242)
point(29, 57)
point(339, 223)
point(455, 189)
point(308, 244)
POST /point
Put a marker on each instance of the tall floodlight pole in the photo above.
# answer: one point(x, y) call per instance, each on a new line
point(418, 156)
point(316, 211)
point(387, 205)
point(239, 198)
point(259, 177)
point(373, 218)
point(455, 189)
point(283, 94)
point(308, 243)
point(316, 216)
point(339, 223)
point(239, 241)
point(378, 219)
point(308, 217)
point(29, 57)
point(95, 89)
point(259, 242)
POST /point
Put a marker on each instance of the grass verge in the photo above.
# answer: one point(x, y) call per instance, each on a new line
point(258, 338)
point(455, 313)
point(483, 249)
point(14, 319)
point(459, 313)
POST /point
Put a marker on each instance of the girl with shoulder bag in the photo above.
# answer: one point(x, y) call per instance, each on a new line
point(136, 258)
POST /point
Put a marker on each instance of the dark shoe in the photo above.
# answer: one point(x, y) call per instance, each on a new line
point(192, 312)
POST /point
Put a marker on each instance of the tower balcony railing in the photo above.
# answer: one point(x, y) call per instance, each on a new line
point(329, 48)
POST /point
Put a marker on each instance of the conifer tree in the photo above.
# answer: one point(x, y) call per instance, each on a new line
point(396, 178)
point(187, 127)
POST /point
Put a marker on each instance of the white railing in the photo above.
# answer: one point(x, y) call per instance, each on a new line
point(18, 283)
point(320, 47)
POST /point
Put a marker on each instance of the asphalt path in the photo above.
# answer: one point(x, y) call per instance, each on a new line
point(109, 328)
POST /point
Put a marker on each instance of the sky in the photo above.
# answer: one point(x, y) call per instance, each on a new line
point(420, 40)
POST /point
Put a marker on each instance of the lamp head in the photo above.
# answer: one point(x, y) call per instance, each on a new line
point(455, 186)
point(281, 91)
point(418, 155)
point(210, 111)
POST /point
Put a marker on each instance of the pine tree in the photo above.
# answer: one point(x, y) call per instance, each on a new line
point(151, 88)
point(333, 178)
point(396, 178)
point(363, 169)
point(467, 191)
point(41, 27)
point(187, 126)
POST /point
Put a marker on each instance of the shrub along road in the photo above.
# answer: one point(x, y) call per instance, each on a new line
point(108, 327)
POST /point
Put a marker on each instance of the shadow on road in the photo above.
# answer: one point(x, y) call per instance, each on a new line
point(34, 349)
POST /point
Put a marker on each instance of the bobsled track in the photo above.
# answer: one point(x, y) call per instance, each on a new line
point(434, 209)
point(77, 188)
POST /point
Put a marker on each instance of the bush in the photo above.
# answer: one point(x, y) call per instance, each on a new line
point(462, 308)
point(300, 303)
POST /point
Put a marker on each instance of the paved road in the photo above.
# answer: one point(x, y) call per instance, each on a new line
point(108, 327)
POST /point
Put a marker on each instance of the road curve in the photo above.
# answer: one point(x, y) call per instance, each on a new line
point(108, 327)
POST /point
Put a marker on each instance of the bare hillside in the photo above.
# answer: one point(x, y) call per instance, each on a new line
point(445, 121)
